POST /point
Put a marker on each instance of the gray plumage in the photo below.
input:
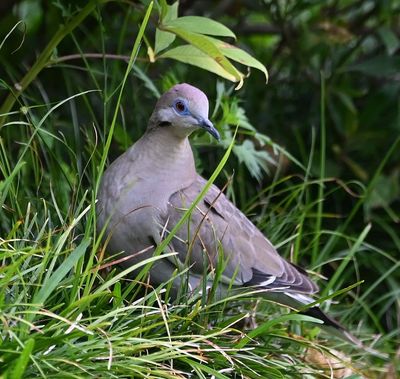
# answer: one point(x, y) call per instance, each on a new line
point(145, 192)
point(248, 253)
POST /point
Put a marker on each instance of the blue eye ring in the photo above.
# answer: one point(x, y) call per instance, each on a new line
point(181, 107)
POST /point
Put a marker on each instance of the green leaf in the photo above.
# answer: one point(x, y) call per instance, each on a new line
point(347, 101)
point(207, 45)
point(168, 14)
point(201, 25)
point(163, 8)
point(54, 280)
point(385, 191)
point(139, 73)
point(381, 65)
point(347, 259)
point(163, 40)
point(256, 161)
point(241, 56)
point(389, 39)
point(265, 327)
point(192, 55)
point(236, 115)
point(19, 367)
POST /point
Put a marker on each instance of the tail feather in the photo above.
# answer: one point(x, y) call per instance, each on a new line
point(330, 325)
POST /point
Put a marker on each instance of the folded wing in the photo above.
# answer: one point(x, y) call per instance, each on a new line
point(217, 225)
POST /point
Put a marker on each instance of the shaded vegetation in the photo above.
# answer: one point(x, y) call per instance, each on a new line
point(315, 164)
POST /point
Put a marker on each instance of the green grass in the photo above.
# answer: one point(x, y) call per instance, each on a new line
point(66, 311)
point(64, 316)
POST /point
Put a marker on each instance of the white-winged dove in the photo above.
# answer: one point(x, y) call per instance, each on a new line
point(147, 189)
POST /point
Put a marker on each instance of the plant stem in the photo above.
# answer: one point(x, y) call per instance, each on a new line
point(321, 173)
point(44, 58)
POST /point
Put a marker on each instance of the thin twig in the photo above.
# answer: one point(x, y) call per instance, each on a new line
point(92, 55)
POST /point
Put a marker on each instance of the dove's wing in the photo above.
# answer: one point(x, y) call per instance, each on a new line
point(250, 258)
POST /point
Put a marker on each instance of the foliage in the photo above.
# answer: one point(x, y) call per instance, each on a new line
point(315, 163)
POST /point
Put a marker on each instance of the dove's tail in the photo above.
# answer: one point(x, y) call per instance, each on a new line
point(330, 325)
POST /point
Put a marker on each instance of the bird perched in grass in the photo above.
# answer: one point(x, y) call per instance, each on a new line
point(145, 192)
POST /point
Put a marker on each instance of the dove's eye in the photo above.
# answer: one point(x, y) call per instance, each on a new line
point(181, 107)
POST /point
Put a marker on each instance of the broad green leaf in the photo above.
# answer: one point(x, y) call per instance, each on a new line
point(168, 14)
point(207, 45)
point(241, 56)
point(201, 25)
point(163, 40)
point(192, 55)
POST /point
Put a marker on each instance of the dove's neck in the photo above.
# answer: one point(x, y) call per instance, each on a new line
point(164, 153)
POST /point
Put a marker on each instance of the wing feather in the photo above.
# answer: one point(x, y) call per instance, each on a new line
point(218, 222)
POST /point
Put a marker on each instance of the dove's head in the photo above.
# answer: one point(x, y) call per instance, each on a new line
point(182, 110)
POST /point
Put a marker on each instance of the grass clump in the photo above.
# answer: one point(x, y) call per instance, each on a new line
point(67, 311)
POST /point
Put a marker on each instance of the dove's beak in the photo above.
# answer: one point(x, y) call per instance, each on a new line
point(208, 126)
